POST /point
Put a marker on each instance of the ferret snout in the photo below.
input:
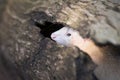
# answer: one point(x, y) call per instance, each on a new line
point(53, 36)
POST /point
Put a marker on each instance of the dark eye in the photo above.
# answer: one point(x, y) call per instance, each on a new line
point(68, 34)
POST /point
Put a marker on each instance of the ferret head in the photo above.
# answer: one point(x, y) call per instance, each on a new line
point(65, 36)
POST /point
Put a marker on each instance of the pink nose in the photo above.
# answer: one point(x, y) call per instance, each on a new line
point(53, 36)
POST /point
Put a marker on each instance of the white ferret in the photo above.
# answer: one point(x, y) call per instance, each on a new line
point(108, 64)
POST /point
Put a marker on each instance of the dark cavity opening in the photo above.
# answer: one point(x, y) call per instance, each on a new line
point(47, 28)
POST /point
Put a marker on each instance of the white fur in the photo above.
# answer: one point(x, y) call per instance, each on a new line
point(61, 37)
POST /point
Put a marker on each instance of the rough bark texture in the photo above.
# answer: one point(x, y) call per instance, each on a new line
point(26, 55)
